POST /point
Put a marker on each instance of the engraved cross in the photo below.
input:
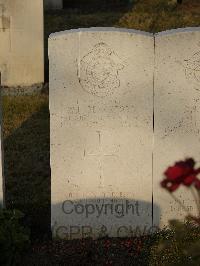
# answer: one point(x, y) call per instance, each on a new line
point(101, 155)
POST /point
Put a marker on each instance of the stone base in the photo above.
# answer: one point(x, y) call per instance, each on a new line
point(24, 90)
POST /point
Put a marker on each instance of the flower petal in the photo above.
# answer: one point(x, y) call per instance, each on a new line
point(197, 183)
point(188, 180)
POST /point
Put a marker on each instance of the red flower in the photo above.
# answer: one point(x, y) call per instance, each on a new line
point(197, 183)
point(169, 185)
point(182, 172)
point(188, 180)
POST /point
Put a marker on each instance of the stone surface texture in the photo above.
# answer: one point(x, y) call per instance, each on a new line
point(177, 113)
point(124, 106)
point(21, 46)
point(101, 131)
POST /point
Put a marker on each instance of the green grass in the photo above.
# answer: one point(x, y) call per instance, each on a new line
point(160, 15)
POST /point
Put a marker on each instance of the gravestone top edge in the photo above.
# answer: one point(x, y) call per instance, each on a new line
point(99, 29)
point(123, 30)
point(178, 30)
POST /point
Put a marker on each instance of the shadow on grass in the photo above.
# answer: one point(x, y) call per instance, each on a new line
point(27, 171)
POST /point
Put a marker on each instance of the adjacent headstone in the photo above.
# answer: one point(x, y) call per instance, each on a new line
point(101, 107)
point(21, 46)
point(53, 4)
point(177, 114)
point(124, 107)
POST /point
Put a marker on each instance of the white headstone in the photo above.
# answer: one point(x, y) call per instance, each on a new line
point(101, 107)
point(21, 46)
point(177, 113)
point(124, 107)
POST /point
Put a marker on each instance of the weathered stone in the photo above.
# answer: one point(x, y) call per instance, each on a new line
point(21, 46)
point(101, 106)
point(124, 106)
point(177, 113)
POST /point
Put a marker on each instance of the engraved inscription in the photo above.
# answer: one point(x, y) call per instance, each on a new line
point(188, 122)
point(99, 71)
point(192, 67)
point(117, 113)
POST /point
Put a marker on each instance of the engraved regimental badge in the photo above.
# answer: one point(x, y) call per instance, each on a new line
point(99, 71)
